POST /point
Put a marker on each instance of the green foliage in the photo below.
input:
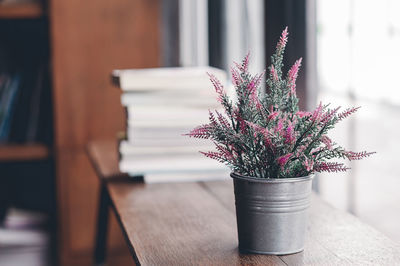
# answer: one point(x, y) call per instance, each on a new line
point(266, 136)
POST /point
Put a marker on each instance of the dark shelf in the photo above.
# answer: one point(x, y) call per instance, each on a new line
point(23, 152)
point(21, 11)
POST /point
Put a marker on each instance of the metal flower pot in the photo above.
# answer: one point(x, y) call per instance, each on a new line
point(271, 213)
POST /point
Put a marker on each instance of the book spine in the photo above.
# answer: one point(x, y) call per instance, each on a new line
point(12, 90)
point(34, 110)
point(122, 136)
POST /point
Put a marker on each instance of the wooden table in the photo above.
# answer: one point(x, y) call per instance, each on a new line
point(195, 224)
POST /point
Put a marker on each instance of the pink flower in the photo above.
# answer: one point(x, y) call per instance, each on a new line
point(279, 127)
point(217, 86)
point(308, 164)
point(273, 115)
point(239, 119)
point(302, 114)
point(347, 112)
point(211, 117)
point(255, 82)
point(289, 135)
point(317, 113)
point(254, 99)
point(224, 152)
point(315, 150)
point(292, 76)
point(327, 141)
point(252, 87)
point(300, 150)
point(357, 155)
point(214, 155)
point(256, 127)
point(329, 115)
point(236, 78)
point(283, 40)
point(222, 120)
point(330, 167)
point(201, 132)
point(263, 131)
point(273, 73)
point(284, 159)
point(245, 63)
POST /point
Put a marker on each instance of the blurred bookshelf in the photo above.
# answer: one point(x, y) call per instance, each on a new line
point(28, 10)
point(48, 46)
point(26, 112)
point(25, 94)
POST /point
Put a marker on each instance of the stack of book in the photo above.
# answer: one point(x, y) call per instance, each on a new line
point(161, 105)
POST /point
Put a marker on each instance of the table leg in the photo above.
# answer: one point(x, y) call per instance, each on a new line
point(102, 222)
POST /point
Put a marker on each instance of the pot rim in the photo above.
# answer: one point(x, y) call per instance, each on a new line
point(271, 180)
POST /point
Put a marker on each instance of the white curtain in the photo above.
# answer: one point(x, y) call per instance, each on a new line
point(243, 31)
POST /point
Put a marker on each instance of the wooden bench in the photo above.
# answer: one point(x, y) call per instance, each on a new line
point(195, 224)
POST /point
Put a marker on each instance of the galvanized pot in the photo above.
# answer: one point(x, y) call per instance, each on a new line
point(271, 213)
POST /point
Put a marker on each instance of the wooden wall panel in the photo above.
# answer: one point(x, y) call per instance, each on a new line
point(88, 40)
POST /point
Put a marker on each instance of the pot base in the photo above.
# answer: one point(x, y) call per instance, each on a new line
point(248, 251)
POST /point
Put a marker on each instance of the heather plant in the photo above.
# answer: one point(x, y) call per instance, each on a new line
point(265, 135)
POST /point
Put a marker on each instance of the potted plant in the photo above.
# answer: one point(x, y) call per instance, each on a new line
point(273, 150)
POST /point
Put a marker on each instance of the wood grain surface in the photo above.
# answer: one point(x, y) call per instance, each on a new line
point(105, 160)
point(195, 224)
point(176, 224)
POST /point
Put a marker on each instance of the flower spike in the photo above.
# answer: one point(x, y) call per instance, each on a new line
point(273, 74)
point(217, 86)
point(292, 76)
point(347, 112)
point(283, 40)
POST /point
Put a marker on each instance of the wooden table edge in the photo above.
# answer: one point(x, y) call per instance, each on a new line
point(124, 178)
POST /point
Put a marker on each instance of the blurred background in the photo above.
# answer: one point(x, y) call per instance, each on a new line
point(56, 57)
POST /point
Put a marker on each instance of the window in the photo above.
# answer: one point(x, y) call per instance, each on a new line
point(357, 55)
